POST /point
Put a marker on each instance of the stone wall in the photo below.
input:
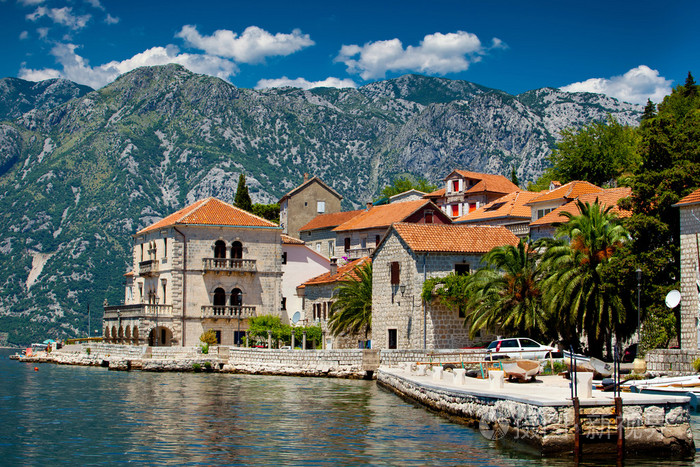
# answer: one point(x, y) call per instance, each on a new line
point(672, 361)
point(690, 261)
point(302, 207)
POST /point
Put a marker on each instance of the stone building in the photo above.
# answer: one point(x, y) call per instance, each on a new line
point(360, 235)
point(318, 294)
point(318, 233)
point(689, 208)
point(303, 203)
point(299, 264)
point(407, 256)
point(510, 211)
point(466, 191)
point(207, 266)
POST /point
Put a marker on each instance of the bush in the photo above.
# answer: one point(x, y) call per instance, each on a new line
point(196, 367)
point(209, 337)
point(696, 364)
point(205, 349)
point(87, 351)
point(207, 366)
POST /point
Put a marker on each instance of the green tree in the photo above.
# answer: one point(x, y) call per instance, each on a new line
point(575, 265)
point(598, 153)
point(649, 111)
point(208, 337)
point(690, 88)
point(506, 295)
point(242, 199)
point(514, 176)
point(271, 212)
point(351, 311)
point(405, 183)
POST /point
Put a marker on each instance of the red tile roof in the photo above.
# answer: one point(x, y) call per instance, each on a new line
point(465, 239)
point(324, 221)
point(693, 198)
point(488, 182)
point(570, 191)
point(346, 271)
point(287, 240)
point(435, 194)
point(210, 211)
point(609, 197)
point(383, 216)
point(510, 205)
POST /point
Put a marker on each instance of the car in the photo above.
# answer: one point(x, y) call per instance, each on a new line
point(518, 347)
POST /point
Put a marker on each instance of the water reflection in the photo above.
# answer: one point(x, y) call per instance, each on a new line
point(90, 416)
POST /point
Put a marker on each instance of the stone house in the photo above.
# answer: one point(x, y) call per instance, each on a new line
point(465, 191)
point(407, 256)
point(303, 203)
point(299, 264)
point(318, 293)
point(360, 235)
point(318, 233)
point(689, 208)
point(208, 266)
point(510, 211)
point(545, 225)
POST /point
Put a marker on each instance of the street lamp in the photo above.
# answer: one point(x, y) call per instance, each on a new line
point(639, 294)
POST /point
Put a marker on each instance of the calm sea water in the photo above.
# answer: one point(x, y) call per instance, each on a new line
point(92, 416)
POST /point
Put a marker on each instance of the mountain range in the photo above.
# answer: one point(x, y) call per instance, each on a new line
point(81, 170)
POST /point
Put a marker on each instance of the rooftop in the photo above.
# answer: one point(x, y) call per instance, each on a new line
point(571, 190)
point(324, 221)
point(693, 198)
point(346, 271)
point(607, 197)
point(510, 205)
point(385, 215)
point(448, 238)
point(308, 182)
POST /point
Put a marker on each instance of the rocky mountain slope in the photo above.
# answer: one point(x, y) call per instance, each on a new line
point(81, 171)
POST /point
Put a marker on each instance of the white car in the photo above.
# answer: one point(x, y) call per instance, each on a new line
point(518, 347)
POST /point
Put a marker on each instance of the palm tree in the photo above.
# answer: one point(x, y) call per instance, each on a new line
point(575, 287)
point(351, 311)
point(505, 294)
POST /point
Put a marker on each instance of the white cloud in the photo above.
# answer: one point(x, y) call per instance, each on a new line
point(111, 19)
point(63, 16)
point(436, 54)
point(635, 86)
point(95, 4)
point(43, 32)
point(302, 83)
point(77, 69)
point(253, 46)
point(23, 35)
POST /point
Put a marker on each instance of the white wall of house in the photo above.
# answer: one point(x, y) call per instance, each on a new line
point(302, 264)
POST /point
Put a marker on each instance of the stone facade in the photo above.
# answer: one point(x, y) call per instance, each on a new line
point(322, 241)
point(416, 324)
point(672, 362)
point(299, 206)
point(690, 275)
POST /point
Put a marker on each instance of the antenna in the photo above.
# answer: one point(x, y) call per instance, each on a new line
point(673, 298)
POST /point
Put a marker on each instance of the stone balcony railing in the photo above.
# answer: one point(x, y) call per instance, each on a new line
point(148, 268)
point(217, 311)
point(358, 253)
point(520, 230)
point(138, 310)
point(229, 265)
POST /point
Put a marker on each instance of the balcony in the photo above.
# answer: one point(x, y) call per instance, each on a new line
point(216, 311)
point(148, 268)
point(229, 265)
point(139, 310)
point(357, 253)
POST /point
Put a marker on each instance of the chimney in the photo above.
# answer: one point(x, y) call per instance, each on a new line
point(306, 177)
point(369, 205)
point(334, 266)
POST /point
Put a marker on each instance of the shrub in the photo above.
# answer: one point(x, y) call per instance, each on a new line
point(209, 337)
point(207, 366)
point(696, 364)
point(205, 349)
point(196, 367)
point(87, 351)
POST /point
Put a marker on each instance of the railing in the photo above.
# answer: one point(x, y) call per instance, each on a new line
point(521, 230)
point(229, 265)
point(138, 310)
point(216, 311)
point(359, 253)
point(148, 268)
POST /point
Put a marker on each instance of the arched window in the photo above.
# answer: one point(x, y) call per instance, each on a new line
point(236, 297)
point(220, 249)
point(219, 297)
point(237, 250)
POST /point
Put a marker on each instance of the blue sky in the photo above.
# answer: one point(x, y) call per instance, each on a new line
point(629, 50)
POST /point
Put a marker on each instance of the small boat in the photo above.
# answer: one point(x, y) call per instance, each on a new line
point(692, 381)
point(521, 369)
point(668, 391)
point(600, 367)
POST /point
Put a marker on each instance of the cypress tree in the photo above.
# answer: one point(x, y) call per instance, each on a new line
point(690, 87)
point(514, 176)
point(242, 199)
point(649, 110)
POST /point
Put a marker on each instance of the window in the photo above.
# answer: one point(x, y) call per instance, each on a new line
point(428, 217)
point(363, 242)
point(462, 269)
point(284, 257)
point(331, 248)
point(347, 243)
point(141, 293)
point(165, 247)
point(318, 247)
point(455, 186)
point(219, 297)
point(543, 212)
point(320, 207)
point(238, 337)
point(164, 283)
point(377, 238)
point(284, 303)
point(395, 273)
point(494, 207)
point(218, 336)
point(528, 343)
point(236, 250)
point(236, 297)
point(455, 210)
point(393, 339)
point(220, 249)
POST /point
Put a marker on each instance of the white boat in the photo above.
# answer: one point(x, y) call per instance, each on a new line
point(521, 369)
point(692, 381)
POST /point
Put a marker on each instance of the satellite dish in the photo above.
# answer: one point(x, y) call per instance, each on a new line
point(296, 317)
point(673, 299)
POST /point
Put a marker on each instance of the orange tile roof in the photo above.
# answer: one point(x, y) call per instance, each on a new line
point(210, 211)
point(383, 216)
point(465, 239)
point(693, 198)
point(435, 194)
point(512, 205)
point(324, 221)
point(346, 271)
point(488, 182)
point(571, 190)
point(608, 197)
point(287, 240)
point(129, 274)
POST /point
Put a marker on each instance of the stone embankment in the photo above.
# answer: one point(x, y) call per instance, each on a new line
point(541, 414)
